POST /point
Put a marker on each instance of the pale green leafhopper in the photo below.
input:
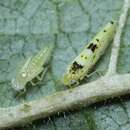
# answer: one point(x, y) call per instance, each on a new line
point(34, 67)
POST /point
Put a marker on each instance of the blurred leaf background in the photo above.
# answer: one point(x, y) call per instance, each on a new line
point(26, 26)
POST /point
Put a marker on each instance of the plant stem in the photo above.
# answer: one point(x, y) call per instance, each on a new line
point(87, 94)
point(116, 43)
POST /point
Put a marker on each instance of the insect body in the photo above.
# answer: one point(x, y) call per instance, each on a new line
point(82, 64)
point(34, 67)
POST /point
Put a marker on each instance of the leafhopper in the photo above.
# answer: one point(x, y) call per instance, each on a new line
point(82, 64)
point(35, 67)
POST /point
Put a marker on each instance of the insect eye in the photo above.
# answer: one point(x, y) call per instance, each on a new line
point(23, 74)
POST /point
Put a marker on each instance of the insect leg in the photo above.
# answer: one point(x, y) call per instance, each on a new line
point(33, 84)
point(21, 93)
point(39, 77)
point(77, 83)
point(95, 72)
point(42, 75)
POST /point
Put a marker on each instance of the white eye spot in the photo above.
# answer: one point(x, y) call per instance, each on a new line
point(23, 74)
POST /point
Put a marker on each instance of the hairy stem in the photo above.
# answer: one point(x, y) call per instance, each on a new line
point(87, 94)
point(116, 42)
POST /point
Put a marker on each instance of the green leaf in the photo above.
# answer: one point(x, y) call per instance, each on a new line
point(26, 26)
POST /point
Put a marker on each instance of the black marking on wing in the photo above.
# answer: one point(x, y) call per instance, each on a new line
point(76, 66)
point(97, 40)
point(92, 47)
